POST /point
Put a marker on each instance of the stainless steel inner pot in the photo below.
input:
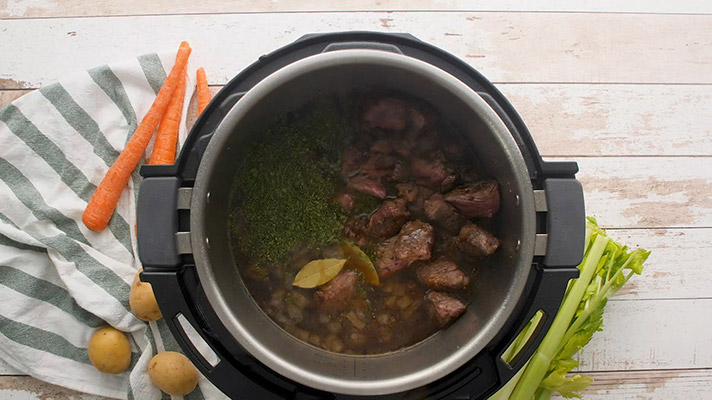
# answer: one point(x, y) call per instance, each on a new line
point(498, 286)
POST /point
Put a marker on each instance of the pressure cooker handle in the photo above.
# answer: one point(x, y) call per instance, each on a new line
point(198, 345)
point(157, 222)
point(550, 286)
point(565, 222)
point(365, 44)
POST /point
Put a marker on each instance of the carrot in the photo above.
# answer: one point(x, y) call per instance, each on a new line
point(164, 148)
point(103, 202)
point(203, 91)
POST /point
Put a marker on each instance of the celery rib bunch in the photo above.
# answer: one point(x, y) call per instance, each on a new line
point(606, 266)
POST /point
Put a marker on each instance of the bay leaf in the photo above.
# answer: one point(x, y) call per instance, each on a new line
point(318, 272)
point(360, 260)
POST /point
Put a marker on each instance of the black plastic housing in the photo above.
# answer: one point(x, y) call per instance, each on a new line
point(177, 286)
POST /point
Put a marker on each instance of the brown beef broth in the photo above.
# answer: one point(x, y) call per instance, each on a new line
point(378, 319)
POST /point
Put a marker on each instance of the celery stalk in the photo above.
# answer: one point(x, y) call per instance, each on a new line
point(505, 391)
point(539, 364)
point(509, 354)
point(606, 266)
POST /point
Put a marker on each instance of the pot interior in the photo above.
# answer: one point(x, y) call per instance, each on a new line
point(496, 289)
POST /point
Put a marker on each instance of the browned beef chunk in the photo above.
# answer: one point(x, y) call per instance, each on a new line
point(387, 113)
point(419, 129)
point(351, 160)
point(454, 148)
point(414, 195)
point(413, 243)
point(442, 274)
point(335, 294)
point(369, 186)
point(418, 121)
point(476, 241)
point(346, 201)
point(426, 143)
point(444, 308)
point(407, 191)
point(386, 261)
point(424, 193)
point(402, 148)
point(379, 165)
point(443, 214)
point(479, 199)
point(396, 115)
point(388, 219)
point(433, 171)
point(355, 229)
point(383, 163)
point(383, 146)
point(400, 173)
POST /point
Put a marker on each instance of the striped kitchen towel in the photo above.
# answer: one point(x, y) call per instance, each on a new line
point(59, 281)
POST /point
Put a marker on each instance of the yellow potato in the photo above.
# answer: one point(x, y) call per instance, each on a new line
point(173, 373)
point(142, 301)
point(109, 350)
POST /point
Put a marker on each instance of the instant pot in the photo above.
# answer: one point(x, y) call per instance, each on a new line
point(186, 256)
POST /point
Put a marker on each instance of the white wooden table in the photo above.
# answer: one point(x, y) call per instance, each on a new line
point(623, 87)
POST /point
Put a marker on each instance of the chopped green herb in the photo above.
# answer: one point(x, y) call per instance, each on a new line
point(284, 188)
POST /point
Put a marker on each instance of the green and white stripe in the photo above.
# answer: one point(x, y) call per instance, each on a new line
point(59, 281)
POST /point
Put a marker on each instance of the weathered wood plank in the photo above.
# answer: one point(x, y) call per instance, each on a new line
point(600, 120)
point(676, 267)
point(628, 385)
point(623, 385)
point(506, 47)
point(649, 385)
point(651, 334)
point(648, 192)
point(621, 120)
point(68, 8)
point(7, 96)
point(606, 120)
point(28, 388)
